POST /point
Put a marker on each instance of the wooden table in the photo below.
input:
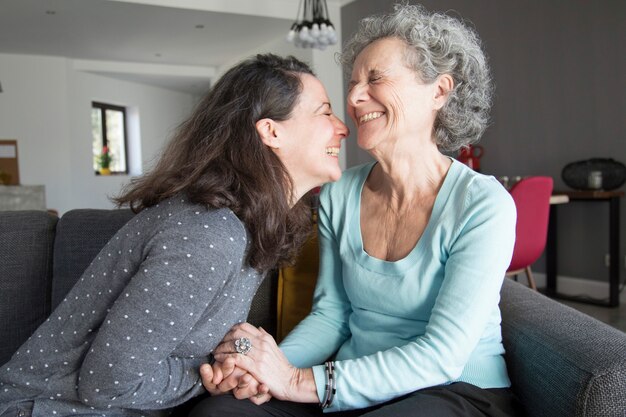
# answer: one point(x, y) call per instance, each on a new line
point(611, 197)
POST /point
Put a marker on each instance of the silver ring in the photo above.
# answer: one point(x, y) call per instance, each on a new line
point(243, 345)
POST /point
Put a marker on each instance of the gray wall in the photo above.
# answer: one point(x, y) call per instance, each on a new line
point(560, 72)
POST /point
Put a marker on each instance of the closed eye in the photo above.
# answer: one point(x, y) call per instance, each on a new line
point(325, 109)
point(374, 75)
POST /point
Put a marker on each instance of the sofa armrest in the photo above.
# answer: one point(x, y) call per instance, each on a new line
point(561, 362)
point(26, 241)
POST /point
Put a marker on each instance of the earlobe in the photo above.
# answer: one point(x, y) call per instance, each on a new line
point(266, 128)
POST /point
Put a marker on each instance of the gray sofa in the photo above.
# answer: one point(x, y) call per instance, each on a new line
point(561, 362)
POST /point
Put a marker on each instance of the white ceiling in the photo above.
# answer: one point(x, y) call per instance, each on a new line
point(172, 43)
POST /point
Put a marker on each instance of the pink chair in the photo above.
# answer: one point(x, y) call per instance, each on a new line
point(532, 201)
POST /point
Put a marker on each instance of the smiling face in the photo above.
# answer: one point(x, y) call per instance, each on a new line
point(387, 101)
point(308, 143)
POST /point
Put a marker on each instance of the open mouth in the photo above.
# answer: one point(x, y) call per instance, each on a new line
point(332, 151)
point(370, 116)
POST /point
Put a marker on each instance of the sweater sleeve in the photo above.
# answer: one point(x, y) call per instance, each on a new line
point(131, 363)
point(470, 292)
point(323, 331)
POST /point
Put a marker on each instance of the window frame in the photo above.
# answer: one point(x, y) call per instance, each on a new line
point(103, 107)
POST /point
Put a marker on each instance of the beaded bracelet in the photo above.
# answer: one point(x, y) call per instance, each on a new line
point(330, 390)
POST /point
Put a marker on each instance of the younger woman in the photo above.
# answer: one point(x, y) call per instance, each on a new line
point(221, 207)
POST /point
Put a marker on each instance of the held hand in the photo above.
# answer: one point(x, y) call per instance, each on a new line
point(232, 377)
point(267, 364)
point(220, 378)
point(217, 378)
point(249, 388)
point(209, 375)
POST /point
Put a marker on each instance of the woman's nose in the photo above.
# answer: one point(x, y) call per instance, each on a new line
point(357, 94)
point(341, 128)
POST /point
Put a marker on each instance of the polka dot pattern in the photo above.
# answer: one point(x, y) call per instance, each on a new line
point(145, 314)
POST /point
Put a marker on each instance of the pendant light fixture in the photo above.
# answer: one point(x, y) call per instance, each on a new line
point(312, 28)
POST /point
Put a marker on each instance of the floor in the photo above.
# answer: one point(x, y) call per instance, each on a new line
point(613, 316)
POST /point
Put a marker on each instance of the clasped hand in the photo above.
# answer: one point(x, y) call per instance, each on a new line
point(264, 372)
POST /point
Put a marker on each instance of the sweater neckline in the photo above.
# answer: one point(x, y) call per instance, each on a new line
point(393, 267)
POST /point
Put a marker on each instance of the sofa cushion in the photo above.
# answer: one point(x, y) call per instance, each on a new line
point(26, 240)
point(561, 362)
point(81, 234)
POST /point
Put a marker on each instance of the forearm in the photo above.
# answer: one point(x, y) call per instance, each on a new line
point(325, 329)
point(305, 348)
point(169, 383)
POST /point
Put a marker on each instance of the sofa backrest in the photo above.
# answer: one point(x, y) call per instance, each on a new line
point(80, 235)
point(26, 245)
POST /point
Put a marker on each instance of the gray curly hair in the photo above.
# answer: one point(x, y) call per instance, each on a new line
point(436, 44)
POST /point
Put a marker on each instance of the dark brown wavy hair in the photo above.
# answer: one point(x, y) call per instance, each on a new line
point(217, 159)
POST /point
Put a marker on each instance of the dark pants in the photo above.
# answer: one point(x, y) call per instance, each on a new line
point(454, 400)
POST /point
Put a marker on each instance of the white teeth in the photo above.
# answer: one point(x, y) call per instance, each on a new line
point(370, 116)
point(332, 151)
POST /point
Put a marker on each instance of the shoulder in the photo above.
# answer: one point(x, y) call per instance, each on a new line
point(480, 191)
point(479, 200)
point(201, 227)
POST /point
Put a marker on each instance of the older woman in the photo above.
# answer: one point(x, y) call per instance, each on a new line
point(414, 247)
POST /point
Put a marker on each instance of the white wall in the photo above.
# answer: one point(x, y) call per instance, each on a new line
point(46, 106)
point(33, 110)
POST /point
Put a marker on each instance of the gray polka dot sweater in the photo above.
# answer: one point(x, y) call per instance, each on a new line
point(129, 337)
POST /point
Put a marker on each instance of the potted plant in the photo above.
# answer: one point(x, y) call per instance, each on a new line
point(105, 161)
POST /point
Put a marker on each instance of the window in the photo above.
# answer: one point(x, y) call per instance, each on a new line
point(108, 125)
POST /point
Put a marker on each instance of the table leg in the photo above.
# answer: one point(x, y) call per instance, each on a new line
point(551, 254)
point(614, 252)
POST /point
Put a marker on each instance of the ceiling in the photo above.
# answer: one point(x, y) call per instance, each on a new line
point(172, 43)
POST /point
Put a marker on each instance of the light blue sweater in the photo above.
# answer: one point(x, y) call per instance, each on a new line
point(428, 319)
